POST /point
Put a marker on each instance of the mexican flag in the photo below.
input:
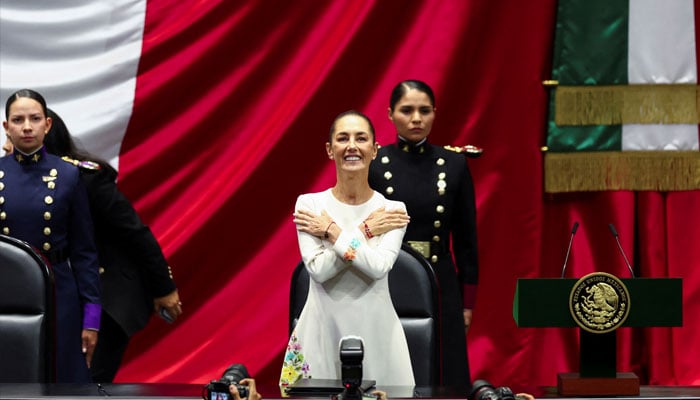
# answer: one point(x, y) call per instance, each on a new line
point(93, 48)
point(624, 100)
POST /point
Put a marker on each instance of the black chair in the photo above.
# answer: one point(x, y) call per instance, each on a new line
point(27, 317)
point(415, 294)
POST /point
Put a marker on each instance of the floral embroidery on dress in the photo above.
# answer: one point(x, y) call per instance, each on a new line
point(294, 366)
point(351, 252)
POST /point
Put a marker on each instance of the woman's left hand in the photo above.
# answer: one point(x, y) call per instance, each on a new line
point(382, 220)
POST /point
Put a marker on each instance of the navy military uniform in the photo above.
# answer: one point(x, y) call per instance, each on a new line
point(43, 202)
point(133, 269)
point(436, 186)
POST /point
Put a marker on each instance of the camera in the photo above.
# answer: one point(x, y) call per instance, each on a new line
point(482, 390)
point(218, 389)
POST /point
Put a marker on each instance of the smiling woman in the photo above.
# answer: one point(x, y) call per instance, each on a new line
point(349, 237)
point(352, 145)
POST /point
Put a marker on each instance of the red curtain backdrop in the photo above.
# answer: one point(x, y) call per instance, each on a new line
point(233, 104)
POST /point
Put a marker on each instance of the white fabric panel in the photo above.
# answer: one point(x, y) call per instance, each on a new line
point(661, 50)
point(661, 42)
point(659, 137)
point(82, 55)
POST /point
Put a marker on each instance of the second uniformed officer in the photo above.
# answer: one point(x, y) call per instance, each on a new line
point(436, 186)
point(43, 202)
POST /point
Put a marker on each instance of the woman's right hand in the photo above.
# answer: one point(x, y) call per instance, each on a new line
point(382, 220)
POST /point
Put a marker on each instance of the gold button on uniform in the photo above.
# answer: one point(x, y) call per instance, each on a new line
point(434, 259)
point(437, 223)
point(389, 190)
point(47, 231)
point(46, 246)
point(51, 185)
point(48, 200)
point(3, 215)
point(53, 172)
point(47, 215)
point(440, 209)
point(387, 175)
point(6, 230)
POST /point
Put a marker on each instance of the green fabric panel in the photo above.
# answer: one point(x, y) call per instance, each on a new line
point(582, 138)
point(590, 48)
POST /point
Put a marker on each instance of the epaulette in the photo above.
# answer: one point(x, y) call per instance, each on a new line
point(91, 165)
point(468, 150)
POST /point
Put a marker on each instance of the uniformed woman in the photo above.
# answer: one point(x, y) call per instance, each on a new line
point(43, 202)
point(436, 186)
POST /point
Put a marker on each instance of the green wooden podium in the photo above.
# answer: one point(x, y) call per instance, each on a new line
point(544, 302)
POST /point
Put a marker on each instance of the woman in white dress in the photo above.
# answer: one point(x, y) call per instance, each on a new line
point(349, 238)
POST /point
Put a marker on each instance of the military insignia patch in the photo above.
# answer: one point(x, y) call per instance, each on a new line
point(468, 150)
point(82, 164)
point(599, 302)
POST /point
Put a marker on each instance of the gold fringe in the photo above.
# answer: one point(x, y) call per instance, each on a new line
point(621, 170)
point(627, 104)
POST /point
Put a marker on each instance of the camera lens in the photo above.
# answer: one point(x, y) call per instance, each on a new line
point(235, 372)
point(504, 393)
point(482, 390)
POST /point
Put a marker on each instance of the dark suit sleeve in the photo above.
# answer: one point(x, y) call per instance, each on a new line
point(464, 236)
point(116, 220)
point(83, 256)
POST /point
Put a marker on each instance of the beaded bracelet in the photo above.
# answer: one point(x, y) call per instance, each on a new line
point(367, 231)
point(325, 234)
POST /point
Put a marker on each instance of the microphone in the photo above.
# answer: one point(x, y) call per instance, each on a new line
point(619, 246)
point(568, 250)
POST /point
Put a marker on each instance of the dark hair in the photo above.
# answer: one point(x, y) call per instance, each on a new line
point(403, 87)
point(58, 141)
point(25, 93)
point(345, 114)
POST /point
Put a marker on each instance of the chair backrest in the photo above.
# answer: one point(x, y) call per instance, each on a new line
point(27, 317)
point(415, 294)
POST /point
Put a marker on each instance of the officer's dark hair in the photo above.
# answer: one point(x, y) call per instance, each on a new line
point(25, 93)
point(355, 113)
point(403, 87)
point(58, 141)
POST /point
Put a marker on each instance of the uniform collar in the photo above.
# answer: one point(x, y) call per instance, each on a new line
point(26, 159)
point(413, 148)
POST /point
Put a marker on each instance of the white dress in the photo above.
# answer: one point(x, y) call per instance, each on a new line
point(348, 295)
